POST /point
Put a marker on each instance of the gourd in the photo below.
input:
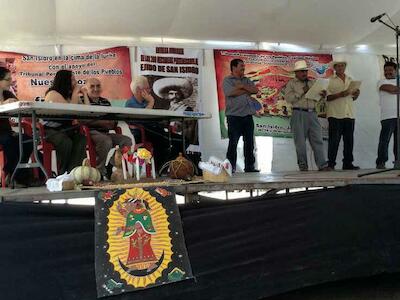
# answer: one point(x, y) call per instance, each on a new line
point(181, 168)
point(85, 173)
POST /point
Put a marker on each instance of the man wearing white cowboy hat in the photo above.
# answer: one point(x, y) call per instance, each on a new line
point(341, 116)
point(304, 121)
point(174, 90)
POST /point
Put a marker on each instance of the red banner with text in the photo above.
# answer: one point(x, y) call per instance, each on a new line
point(32, 75)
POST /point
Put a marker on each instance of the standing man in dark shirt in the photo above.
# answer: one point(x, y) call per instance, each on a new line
point(239, 112)
point(99, 130)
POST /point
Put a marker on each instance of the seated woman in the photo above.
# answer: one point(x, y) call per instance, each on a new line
point(9, 139)
point(69, 143)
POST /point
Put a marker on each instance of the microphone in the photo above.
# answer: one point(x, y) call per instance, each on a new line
point(377, 17)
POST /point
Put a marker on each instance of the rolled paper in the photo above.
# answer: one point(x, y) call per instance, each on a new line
point(153, 168)
point(130, 169)
point(124, 168)
point(137, 169)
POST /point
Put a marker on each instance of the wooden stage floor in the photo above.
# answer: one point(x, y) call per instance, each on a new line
point(240, 181)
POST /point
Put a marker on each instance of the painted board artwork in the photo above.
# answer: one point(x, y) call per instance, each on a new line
point(139, 240)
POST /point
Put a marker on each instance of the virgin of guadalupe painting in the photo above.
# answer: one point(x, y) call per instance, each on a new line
point(139, 240)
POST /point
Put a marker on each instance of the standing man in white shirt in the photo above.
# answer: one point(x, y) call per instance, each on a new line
point(388, 102)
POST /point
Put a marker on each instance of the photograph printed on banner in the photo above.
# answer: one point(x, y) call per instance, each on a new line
point(9, 63)
point(174, 93)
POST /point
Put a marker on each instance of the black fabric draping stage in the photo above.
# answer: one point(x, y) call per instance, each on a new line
point(247, 249)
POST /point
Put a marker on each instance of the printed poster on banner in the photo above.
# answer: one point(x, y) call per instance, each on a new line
point(32, 75)
point(139, 240)
point(270, 72)
point(173, 75)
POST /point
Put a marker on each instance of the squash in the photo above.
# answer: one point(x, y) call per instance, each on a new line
point(85, 173)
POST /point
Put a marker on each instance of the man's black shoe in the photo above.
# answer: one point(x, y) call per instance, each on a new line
point(351, 167)
point(251, 171)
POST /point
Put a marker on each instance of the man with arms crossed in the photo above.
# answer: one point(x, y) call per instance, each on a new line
point(240, 109)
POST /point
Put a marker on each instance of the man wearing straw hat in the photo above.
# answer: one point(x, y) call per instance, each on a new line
point(304, 121)
point(341, 116)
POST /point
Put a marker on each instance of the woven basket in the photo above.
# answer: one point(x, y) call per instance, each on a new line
point(222, 177)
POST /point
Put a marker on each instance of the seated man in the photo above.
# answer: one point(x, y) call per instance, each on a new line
point(156, 132)
point(99, 129)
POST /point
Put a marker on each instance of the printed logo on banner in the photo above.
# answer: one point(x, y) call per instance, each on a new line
point(270, 72)
point(139, 240)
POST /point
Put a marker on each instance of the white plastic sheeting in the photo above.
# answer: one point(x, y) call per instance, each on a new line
point(317, 23)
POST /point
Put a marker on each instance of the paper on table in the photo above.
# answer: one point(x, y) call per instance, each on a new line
point(353, 86)
point(56, 184)
point(314, 93)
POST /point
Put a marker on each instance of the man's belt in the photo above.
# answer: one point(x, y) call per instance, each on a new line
point(304, 109)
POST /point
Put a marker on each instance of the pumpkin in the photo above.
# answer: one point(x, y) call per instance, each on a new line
point(181, 168)
point(85, 173)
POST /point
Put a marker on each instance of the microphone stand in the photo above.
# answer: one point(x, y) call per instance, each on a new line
point(396, 166)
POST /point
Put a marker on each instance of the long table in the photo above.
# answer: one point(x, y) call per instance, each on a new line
point(60, 111)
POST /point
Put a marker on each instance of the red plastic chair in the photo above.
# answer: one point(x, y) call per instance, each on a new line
point(44, 146)
point(2, 172)
point(90, 145)
point(144, 143)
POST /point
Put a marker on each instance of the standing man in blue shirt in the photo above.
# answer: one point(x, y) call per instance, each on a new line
point(239, 112)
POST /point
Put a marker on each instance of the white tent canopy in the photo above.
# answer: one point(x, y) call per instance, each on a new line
point(319, 24)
